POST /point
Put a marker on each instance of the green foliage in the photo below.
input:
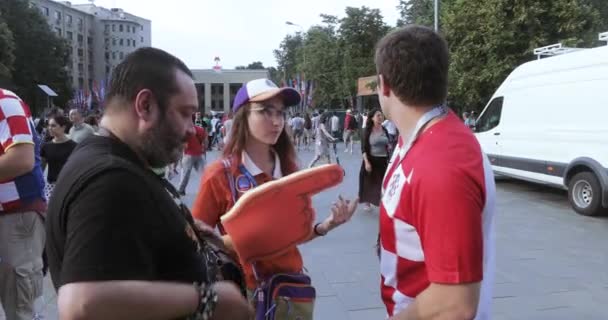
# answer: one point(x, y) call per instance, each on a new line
point(334, 54)
point(40, 55)
point(489, 39)
point(7, 49)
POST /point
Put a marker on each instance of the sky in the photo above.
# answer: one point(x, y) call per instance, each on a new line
point(238, 31)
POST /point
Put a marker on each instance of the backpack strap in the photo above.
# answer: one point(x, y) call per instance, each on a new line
point(230, 178)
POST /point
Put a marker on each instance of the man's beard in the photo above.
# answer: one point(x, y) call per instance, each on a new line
point(162, 146)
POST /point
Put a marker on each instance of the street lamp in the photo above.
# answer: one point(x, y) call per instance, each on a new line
point(436, 15)
point(289, 23)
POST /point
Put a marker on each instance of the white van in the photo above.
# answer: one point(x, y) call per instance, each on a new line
point(548, 123)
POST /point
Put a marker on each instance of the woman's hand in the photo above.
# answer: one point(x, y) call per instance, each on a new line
point(368, 167)
point(341, 212)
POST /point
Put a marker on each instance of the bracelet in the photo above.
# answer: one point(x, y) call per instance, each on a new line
point(316, 231)
point(207, 301)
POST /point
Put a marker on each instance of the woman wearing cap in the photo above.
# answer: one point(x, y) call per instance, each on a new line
point(258, 151)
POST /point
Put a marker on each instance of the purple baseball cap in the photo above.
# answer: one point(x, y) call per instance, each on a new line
point(263, 89)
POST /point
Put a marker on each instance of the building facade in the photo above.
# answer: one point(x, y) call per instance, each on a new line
point(99, 38)
point(217, 89)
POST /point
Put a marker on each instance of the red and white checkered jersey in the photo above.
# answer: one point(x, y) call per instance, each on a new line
point(436, 216)
point(17, 126)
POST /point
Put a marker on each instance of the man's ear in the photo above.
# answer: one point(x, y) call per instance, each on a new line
point(383, 87)
point(145, 104)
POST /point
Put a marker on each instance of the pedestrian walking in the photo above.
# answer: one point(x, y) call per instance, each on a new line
point(375, 147)
point(194, 157)
point(55, 153)
point(322, 139)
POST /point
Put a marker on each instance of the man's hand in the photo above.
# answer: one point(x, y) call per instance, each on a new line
point(231, 304)
point(279, 215)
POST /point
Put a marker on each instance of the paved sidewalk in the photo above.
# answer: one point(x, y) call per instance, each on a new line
point(550, 261)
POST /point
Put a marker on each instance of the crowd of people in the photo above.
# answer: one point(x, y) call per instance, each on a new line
point(121, 244)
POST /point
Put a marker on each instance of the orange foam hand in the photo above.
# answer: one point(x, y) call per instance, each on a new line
point(278, 215)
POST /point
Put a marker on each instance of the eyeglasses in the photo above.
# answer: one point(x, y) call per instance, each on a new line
point(269, 112)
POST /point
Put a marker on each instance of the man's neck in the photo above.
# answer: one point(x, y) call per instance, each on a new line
point(406, 118)
point(117, 129)
point(260, 155)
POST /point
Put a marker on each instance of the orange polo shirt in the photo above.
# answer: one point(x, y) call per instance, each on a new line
point(214, 199)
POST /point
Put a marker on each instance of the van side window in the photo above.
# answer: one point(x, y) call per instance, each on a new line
point(491, 118)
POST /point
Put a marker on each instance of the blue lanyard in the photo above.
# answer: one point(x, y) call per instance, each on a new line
point(248, 175)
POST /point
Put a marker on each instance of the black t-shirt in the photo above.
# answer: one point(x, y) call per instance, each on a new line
point(119, 225)
point(56, 155)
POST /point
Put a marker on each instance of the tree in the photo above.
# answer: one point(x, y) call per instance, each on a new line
point(274, 75)
point(420, 12)
point(41, 56)
point(287, 54)
point(359, 32)
point(7, 48)
point(489, 39)
point(322, 63)
point(256, 66)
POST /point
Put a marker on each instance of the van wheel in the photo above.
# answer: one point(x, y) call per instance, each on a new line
point(584, 193)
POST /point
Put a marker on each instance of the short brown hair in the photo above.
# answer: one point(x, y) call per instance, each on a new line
point(414, 63)
point(147, 68)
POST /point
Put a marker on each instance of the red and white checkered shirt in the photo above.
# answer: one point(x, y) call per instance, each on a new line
point(16, 127)
point(436, 216)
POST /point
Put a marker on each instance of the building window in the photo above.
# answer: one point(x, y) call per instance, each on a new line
point(80, 52)
point(57, 17)
point(69, 19)
point(80, 83)
point(133, 29)
point(58, 31)
point(45, 11)
point(80, 23)
point(113, 41)
point(142, 39)
point(107, 28)
point(114, 55)
point(142, 28)
point(128, 28)
point(89, 41)
point(128, 42)
point(107, 55)
point(120, 28)
point(113, 28)
point(107, 42)
point(69, 35)
point(133, 42)
point(122, 55)
point(107, 69)
point(121, 42)
point(80, 67)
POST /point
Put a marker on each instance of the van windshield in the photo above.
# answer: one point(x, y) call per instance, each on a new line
point(491, 117)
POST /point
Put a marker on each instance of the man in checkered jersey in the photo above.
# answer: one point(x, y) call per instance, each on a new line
point(436, 216)
point(22, 201)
